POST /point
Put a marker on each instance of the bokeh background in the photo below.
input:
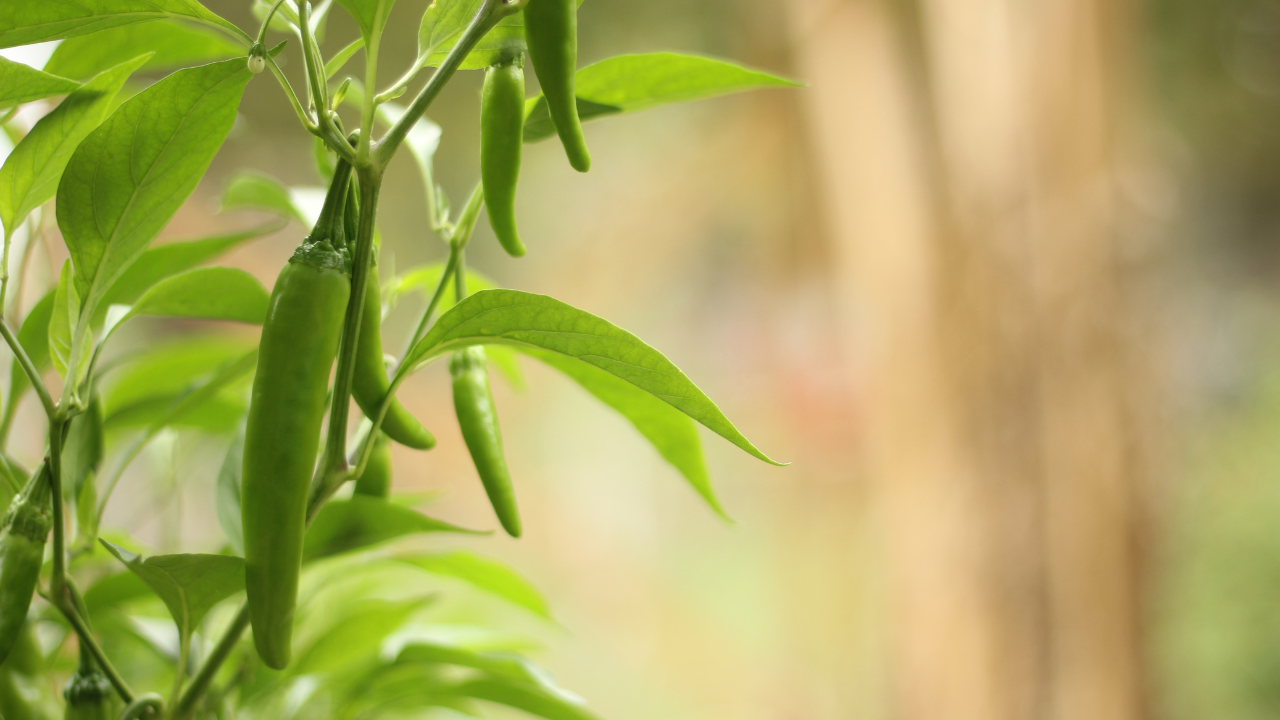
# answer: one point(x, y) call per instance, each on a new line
point(999, 282)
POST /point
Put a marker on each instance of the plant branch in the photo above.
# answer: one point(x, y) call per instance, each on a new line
point(491, 11)
point(446, 276)
point(204, 676)
point(29, 368)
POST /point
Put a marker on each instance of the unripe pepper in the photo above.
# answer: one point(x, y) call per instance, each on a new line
point(501, 141)
point(478, 420)
point(375, 481)
point(295, 355)
point(89, 696)
point(369, 382)
point(26, 527)
point(551, 32)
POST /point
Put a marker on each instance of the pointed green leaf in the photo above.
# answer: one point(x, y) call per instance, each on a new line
point(31, 172)
point(83, 448)
point(357, 635)
point(34, 338)
point(628, 83)
point(216, 293)
point(21, 84)
point(250, 190)
point(523, 696)
point(341, 57)
point(167, 372)
point(442, 26)
point(23, 22)
point(228, 490)
point(512, 317)
point(486, 574)
point(671, 432)
point(165, 261)
point(174, 44)
point(189, 584)
point(66, 316)
point(358, 522)
point(128, 178)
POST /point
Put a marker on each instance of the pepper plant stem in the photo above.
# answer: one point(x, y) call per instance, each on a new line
point(491, 11)
point(29, 368)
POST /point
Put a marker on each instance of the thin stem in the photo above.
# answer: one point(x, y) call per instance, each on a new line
point(293, 96)
point(25, 261)
point(316, 85)
point(86, 638)
point(369, 100)
point(4, 266)
point(184, 648)
point(58, 581)
point(29, 368)
point(336, 445)
point(491, 11)
point(204, 676)
point(445, 277)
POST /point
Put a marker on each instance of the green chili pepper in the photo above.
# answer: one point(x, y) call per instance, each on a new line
point(89, 696)
point(551, 32)
point(370, 384)
point(478, 420)
point(295, 355)
point(375, 481)
point(501, 140)
point(26, 527)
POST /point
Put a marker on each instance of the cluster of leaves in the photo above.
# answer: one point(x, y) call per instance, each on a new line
point(120, 155)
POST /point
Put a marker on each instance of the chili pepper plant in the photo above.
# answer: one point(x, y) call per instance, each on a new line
point(323, 601)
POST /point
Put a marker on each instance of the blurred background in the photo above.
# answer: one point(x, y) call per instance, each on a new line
point(999, 284)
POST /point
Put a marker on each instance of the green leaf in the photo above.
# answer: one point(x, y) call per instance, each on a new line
point(357, 635)
point(341, 57)
point(250, 190)
point(370, 15)
point(670, 431)
point(24, 23)
point(443, 24)
point(423, 140)
point(358, 522)
point(628, 83)
point(523, 696)
point(166, 372)
point(512, 317)
point(174, 44)
point(228, 491)
point(83, 448)
point(189, 584)
point(33, 336)
point(66, 316)
point(489, 575)
point(31, 172)
point(165, 261)
point(216, 293)
point(128, 178)
point(113, 591)
point(21, 84)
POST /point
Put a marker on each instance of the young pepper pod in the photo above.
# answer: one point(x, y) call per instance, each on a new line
point(370, 384)
point(21, 679)
point(478, 420)
point(551, 33)
point(501, 142)
point(89, 696)
point(375, 481)
point(286, 409)
point(26, 527)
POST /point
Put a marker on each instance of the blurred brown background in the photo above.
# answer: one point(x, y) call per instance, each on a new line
point(998, 282)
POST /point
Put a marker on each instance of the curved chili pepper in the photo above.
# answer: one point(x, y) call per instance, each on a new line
point(478, 420)
point(501, 141)
point(551, 32)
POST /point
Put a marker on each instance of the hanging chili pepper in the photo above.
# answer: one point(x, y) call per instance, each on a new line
point(551, 32)
point(478, 420)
